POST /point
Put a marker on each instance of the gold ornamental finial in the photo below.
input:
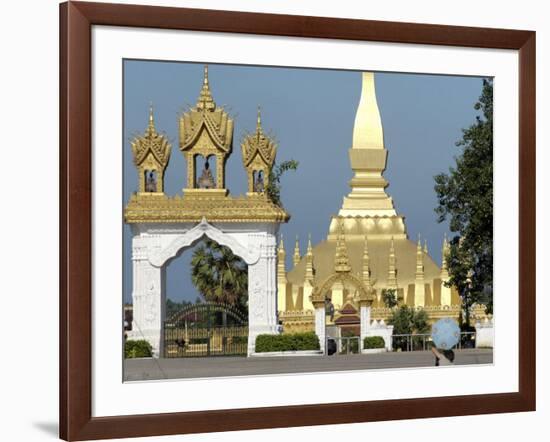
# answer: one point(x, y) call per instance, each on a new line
point(151, 128)
point(425, 246)
point(205, 100)
point(259, 121)
point(205, 78)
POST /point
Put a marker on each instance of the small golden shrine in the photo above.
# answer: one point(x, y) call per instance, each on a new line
point(259, 153)
point(151, 155)
point(205, 130)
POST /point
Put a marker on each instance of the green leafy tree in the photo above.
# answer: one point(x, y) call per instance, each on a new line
point(465, 197)
point(389, 297)
point(406, 321)
point(219, 275)
point(273, 188)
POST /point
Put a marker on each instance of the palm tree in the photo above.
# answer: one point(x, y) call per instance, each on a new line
point(219, 275)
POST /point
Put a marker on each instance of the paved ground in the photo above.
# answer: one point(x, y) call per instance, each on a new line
point(149, 369)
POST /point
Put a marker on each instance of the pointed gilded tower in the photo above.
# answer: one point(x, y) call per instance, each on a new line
point(281, 276)
point(419, 284)
point(368, 208)
point(309, 281)
point(366, 266)
point(445, 291)
point(151, 153)
point(296, 257)
point(392, 270)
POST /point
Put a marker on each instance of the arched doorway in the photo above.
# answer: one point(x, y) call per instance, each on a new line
point(154, 245)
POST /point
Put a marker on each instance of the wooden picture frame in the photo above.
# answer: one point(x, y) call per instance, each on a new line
point(76, 21)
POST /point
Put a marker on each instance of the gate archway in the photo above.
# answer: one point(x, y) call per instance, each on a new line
point(206, 329)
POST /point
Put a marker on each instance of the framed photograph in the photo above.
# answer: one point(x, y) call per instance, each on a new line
point(274, 220)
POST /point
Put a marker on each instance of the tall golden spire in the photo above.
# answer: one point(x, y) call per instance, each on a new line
point(392, 271)
point(366, 265)
point(341, 260)
point(296, 257)
point(309, 261)
point(425, 246)
point(368, 157)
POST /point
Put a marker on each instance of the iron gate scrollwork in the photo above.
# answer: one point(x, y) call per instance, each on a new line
point(206, 329)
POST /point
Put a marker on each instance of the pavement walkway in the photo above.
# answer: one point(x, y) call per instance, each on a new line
point(152, 369)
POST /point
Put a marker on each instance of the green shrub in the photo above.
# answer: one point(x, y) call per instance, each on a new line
point(374, 342)
point(287, 342)
point(137, 349)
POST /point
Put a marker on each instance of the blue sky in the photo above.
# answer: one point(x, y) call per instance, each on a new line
point(311, 113)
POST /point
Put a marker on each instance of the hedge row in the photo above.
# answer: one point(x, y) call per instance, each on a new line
point(374, 342)
point(137, 349)
point(287, 342)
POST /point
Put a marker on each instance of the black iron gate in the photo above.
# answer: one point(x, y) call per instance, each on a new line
point(206, 329)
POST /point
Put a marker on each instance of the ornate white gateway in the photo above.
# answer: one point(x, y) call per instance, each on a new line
point(164, 226)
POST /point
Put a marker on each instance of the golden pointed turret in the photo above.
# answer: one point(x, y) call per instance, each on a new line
point(445, 291)
point(310, 274)
point(419, 287)
point(341, 260)
point(419, 258)
point(281, 256)
point(366, 265)
point(392, 270)
point(296, 257)
point(426, 246)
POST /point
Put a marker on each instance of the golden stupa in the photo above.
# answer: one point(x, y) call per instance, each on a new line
point(374, 237)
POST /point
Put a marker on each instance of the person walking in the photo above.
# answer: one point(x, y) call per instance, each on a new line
point(443, 357)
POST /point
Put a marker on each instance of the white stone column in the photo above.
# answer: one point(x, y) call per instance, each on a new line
point(147, 297)
point(365, 323)
point(262, 291)
point(320, 318)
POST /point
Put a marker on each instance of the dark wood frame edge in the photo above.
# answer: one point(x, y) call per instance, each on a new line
point(75, 406)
